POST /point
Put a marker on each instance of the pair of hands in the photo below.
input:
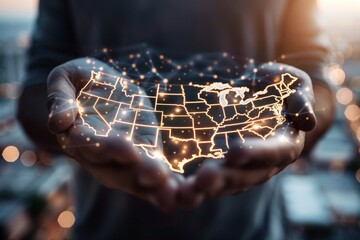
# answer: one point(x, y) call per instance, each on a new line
point(117, 164)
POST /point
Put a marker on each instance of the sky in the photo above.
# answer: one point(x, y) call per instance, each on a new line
point(17, 8)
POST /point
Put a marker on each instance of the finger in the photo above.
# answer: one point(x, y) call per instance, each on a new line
point(209, 178)
point(300, 103)
point(61, 100)
point(189, 197)
point(151, 173)
point(240, 180)
point(80, 139)
point(64, 83)
point(165, 197)
point(280, 150)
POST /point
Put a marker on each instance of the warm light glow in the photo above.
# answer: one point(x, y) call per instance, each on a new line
point(66, 219)
point(357, 175)
point(344, 96)
point(18, 8)
point(352, 112)
point(337, 75)
point(337, 6)
point(10, 154)
point(358, 134)
point(200, 124)
point(28, 158)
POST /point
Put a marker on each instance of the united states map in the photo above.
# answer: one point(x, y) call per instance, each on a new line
point(179, 123)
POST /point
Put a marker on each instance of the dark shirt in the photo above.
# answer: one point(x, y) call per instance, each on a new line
point(265, 30)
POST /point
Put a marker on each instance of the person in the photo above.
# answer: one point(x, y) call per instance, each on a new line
point(230, 199)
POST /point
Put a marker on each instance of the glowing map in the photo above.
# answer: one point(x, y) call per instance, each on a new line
point(187, 121)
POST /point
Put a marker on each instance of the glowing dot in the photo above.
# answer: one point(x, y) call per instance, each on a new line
point(28, 158)
point(215, 76)
point(154, 70)
point(88, 139)
point(307, 89)
point(10, 154)
point(165, 80)
point(255, 70)
point(158, 154)
point(352, 112)
point(344, 96)
point(337, 75)
point(97, 144)
point(177, 110)
point(283, 138)
point(296, 114)
point(88, 61)
point(66, 219)
point(357, 175)
point(142, 76)
point(105, 50)
point(242, 77)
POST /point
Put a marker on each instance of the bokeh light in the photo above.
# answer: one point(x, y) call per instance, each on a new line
point(10, 154)
point(352, 112)
point(344, 96)
point(28, 158)
point(337, 75)
point(66, 219)
point(357, 175)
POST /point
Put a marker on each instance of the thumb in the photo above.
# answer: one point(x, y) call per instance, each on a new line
point(61, 100)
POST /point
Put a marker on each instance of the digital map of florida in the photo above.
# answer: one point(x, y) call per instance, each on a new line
point(186, 121)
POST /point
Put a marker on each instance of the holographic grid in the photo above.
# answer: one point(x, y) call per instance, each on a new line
point(183, 121)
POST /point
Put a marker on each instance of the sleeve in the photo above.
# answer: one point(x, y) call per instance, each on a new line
point(303, 43)
point(52, 41)
point(52, 44)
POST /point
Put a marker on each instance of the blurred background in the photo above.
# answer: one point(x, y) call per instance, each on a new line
point(320, 195)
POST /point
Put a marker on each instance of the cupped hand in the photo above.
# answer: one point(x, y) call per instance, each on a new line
point(110, 156)
point(254, 160)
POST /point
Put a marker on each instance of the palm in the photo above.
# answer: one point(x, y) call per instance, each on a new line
point(97, 129)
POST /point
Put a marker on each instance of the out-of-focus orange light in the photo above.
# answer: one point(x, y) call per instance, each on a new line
point(358, 134)
point(344, 96)
point(357, 175)
point(352, 112)
point(337, 76)
point(66, 219)
point(28, 158)
point(10, 154)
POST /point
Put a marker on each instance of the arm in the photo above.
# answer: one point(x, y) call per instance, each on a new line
point(305, 45)
point(113, 162)
point(52, 45)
